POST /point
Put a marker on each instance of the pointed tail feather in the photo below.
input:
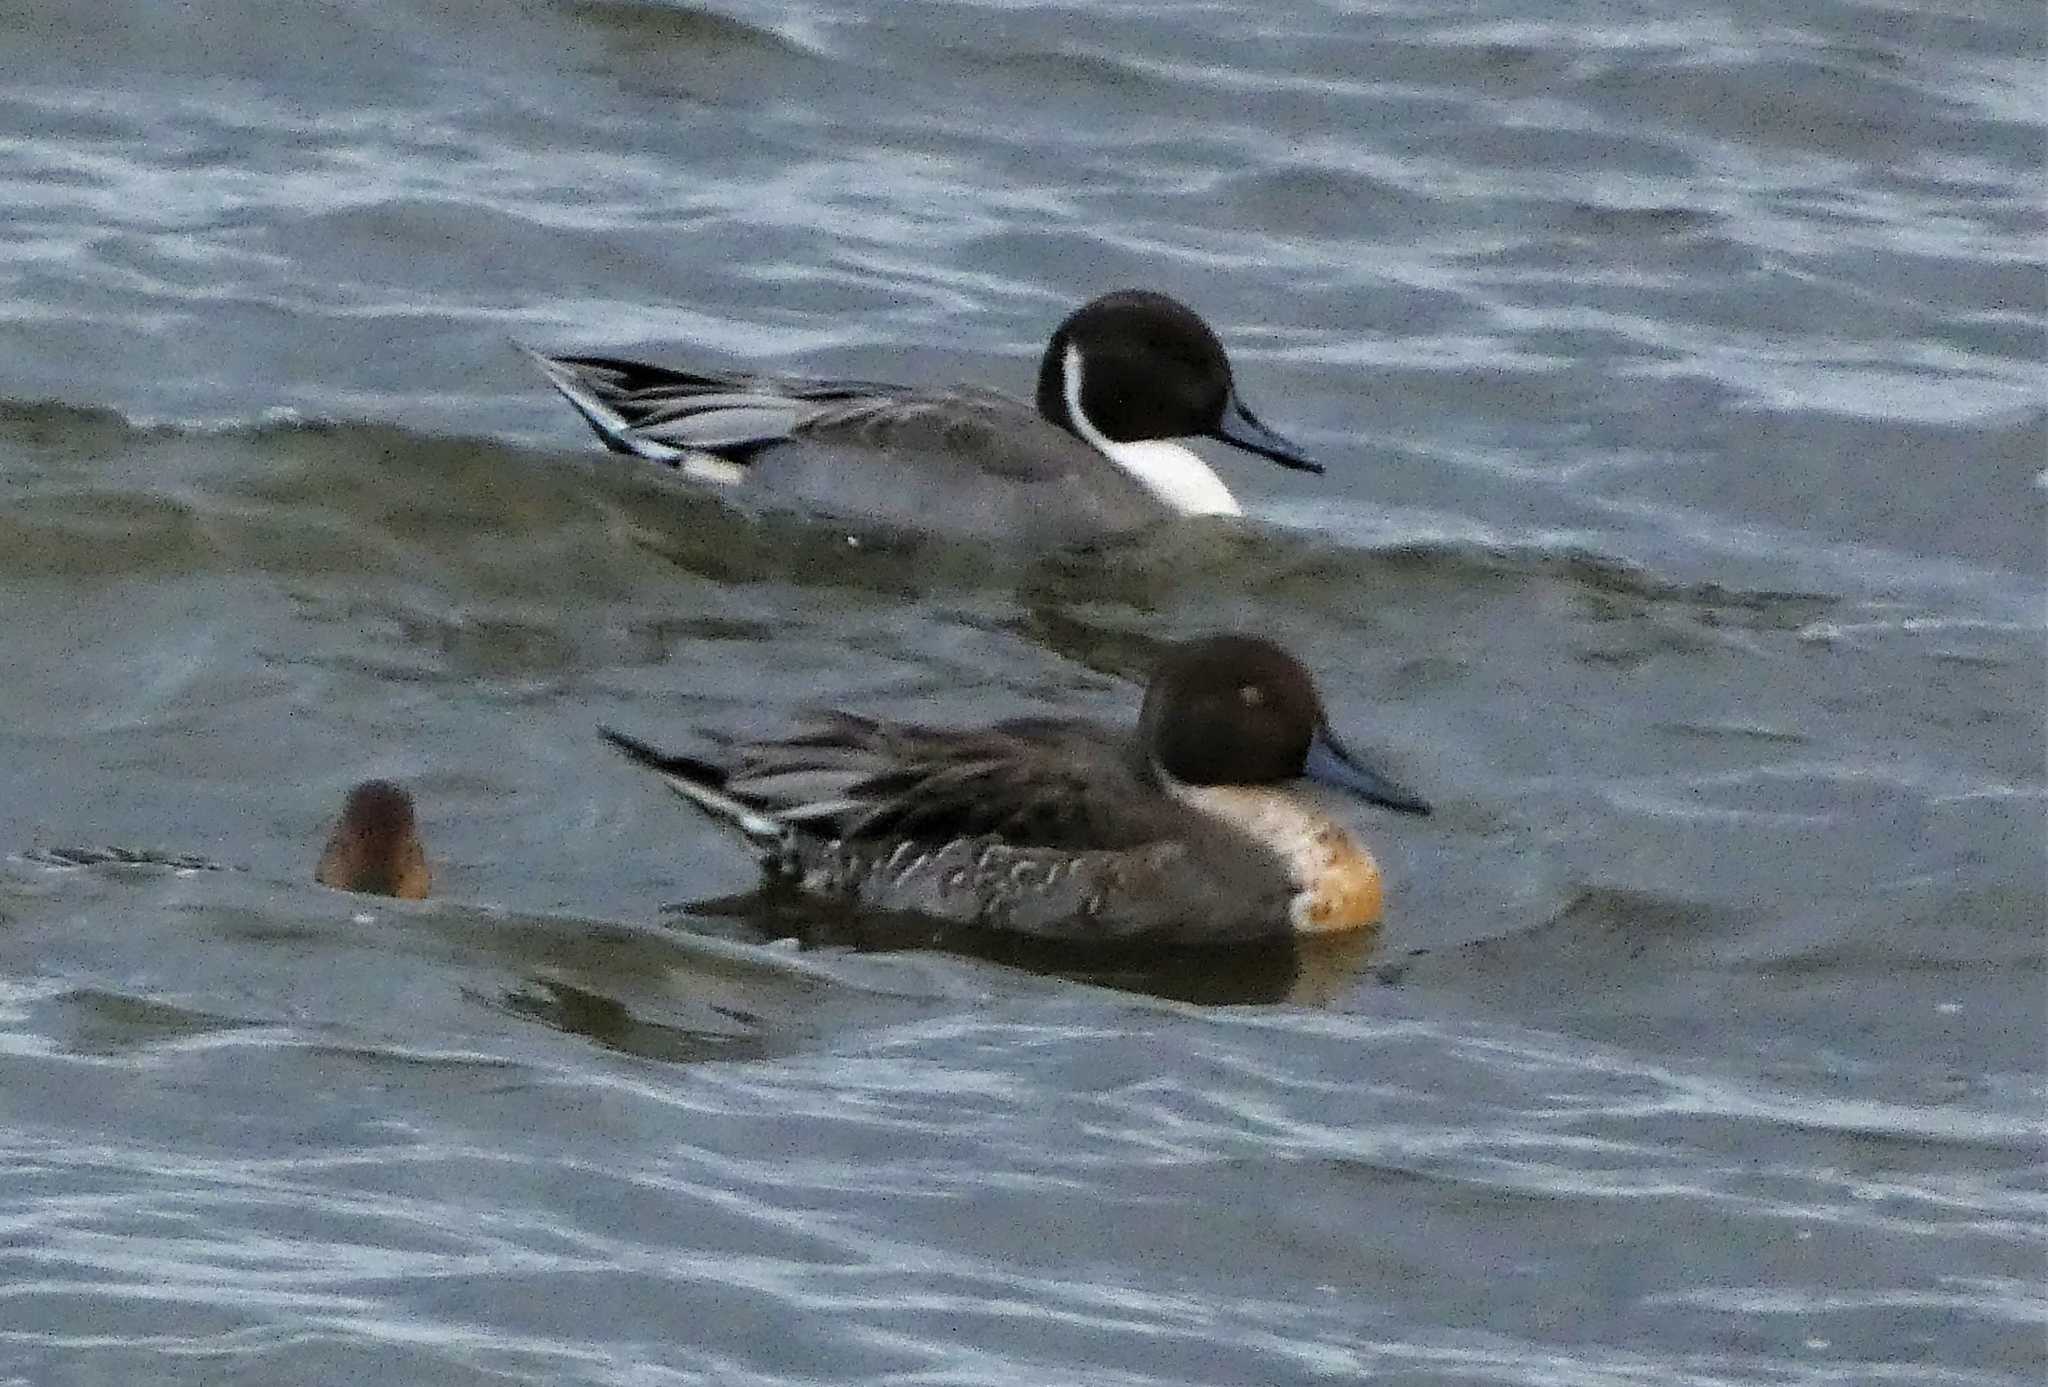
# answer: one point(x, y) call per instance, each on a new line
point(608, 424)
point(703, 784)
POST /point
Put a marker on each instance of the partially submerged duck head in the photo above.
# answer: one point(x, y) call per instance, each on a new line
point(375, 848)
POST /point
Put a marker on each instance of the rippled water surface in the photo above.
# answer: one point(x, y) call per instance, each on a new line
point(1680, 370)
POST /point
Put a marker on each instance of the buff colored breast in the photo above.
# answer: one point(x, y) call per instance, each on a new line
point(1337, 883)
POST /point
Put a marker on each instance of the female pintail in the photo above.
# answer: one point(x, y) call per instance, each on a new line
point(1192, 829)
point(1121, 378)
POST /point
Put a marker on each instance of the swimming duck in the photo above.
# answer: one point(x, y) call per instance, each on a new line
point(1193, 828)
point(375, 848)
point(1122, 377)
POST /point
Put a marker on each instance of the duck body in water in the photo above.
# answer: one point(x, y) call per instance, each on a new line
point(1196, 828)
point(1122, 378)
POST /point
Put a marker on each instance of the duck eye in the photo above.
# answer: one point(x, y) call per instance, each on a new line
point(1251, 695)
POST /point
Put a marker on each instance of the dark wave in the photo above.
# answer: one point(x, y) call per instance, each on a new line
point(704, 32)
point(288, 495)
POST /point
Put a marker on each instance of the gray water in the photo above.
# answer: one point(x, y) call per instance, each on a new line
point(1681, 374)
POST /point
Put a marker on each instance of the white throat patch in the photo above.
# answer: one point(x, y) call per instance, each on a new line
point(1172, 473)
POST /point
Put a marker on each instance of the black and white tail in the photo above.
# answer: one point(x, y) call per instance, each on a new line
point(703, 785)
point(609, 425)
point(705, 426)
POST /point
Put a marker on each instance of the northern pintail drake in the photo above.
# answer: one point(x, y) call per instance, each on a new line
point(1122, 377)
point(375, 847)
point(1194, 829)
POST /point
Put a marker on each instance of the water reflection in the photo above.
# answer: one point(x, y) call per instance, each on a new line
point(610, 1022)
point(1307, 971)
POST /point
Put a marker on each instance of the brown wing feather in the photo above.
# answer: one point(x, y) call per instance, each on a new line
point(1036, 785)
point(1033, 784)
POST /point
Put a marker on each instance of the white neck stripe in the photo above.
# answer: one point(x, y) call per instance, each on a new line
point(1170, 472)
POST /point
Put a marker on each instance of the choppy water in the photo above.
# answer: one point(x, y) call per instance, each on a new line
point(1681, 370)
